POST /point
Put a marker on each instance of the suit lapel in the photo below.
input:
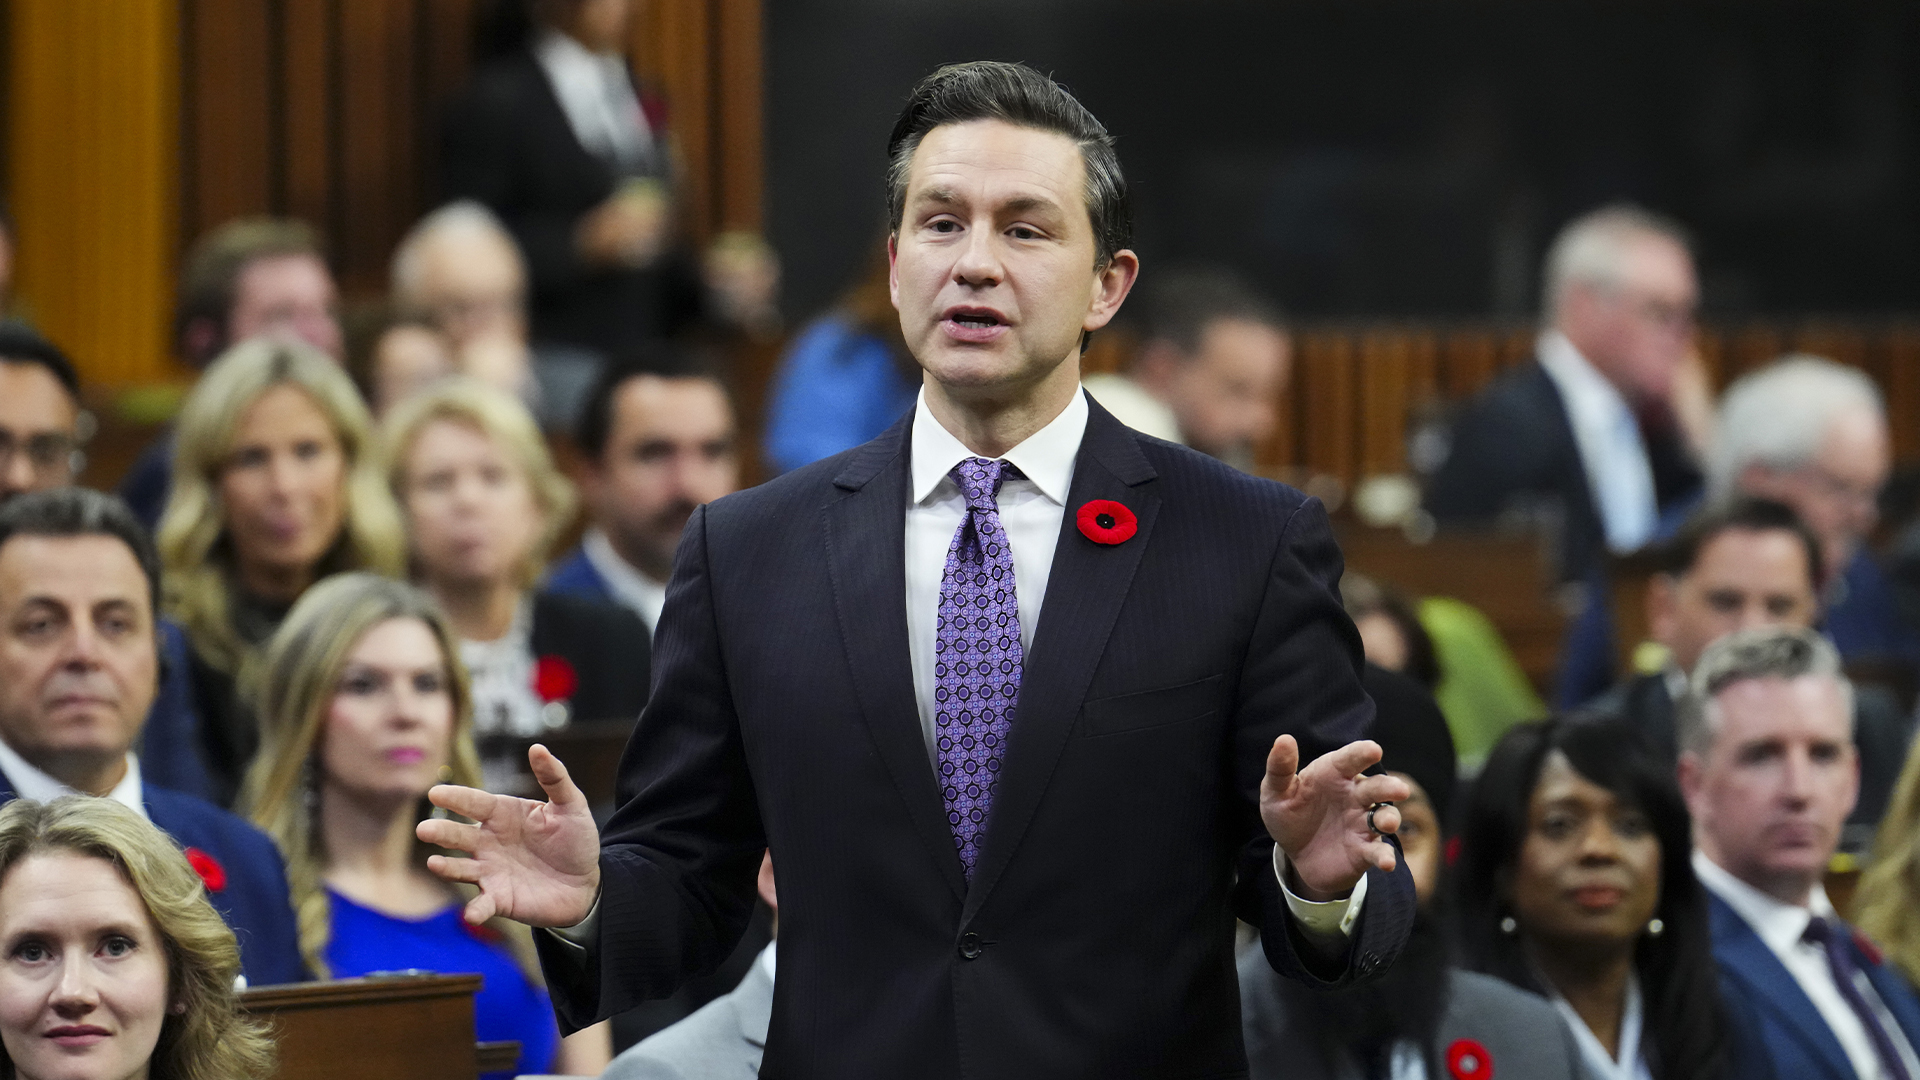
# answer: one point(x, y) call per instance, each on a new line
point(866, 556)
point(1745, 958)
point(1085, 589)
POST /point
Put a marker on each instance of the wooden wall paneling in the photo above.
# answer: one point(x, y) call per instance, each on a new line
point(231, 133)
point(308, 51)
point(379, 193)
point(1397, 377)
point(1470, 358)
point(1901, 383)
point(673, 52)
point(93, 172)
point(1329, 384)
point(445, 62)
point(738, 88)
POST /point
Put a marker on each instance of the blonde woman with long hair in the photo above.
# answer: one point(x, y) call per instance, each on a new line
point(275, 485)
point(364, 706)
point(1887, 906)
point(153, 996)
point(484, 505)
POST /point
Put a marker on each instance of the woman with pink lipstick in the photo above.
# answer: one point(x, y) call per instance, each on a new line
point(113, 966)
point(1573, 881)
point(275, 486)
point(364, 706)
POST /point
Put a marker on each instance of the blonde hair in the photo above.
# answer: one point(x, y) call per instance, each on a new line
point(291, 691)
point(1887, 905)
point(210, 1038)
point(502, 418)
point(196, 552)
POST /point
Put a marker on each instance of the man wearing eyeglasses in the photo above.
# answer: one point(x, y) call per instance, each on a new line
point(1588, 435)
point(39, 413)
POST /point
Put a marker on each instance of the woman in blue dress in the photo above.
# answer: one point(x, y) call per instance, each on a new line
point(363, 707)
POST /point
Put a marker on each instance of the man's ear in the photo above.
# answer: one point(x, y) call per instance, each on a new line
point(1687, 773)
point(1110, 288)
point(893, 268)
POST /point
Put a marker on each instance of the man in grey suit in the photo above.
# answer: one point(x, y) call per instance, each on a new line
point(722, 1041)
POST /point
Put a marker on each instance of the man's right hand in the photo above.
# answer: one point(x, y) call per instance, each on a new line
point(535, 862)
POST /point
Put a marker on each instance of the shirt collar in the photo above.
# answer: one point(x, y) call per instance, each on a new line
point(1779, 924)
point(1587, 392)
point(624, 578)
point(557, 50)
point(30, 783)
point(1046, 456)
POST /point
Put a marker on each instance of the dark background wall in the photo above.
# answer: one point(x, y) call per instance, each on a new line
point(1408, 157)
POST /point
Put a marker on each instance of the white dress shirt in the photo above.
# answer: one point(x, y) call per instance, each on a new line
point(1782, 927)
point(1612, 451)
point(595, 92)
point(630, 587)
point(31, 783)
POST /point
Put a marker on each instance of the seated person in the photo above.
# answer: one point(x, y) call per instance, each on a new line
point(1886, 905)
point(391, 354)
point(483, 504)
point(1573, 881)
point(726, 1037)
point(275, 485)
point(364, 707)
point(39, 412)
point(87, 878)
point(658, 443)
point(78, 671)
point(1770, 771)
point(1390, 632)
point(1211, 366)
point(1743, 565)
point(1423, 1011)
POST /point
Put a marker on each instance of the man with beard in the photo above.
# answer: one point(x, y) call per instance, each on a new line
point(1424, 1013)
point(659, 440)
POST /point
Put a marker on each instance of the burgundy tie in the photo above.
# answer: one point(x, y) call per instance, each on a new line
point(977, 657)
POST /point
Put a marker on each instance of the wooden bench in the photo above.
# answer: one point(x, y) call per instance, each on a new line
point(392, 1027)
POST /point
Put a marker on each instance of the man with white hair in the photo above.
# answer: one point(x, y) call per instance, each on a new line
point(1586, 434)
point(1813, 434)
point(460, 267)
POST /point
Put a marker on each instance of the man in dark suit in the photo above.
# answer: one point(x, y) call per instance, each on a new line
point(1587, 433)
point(78, 669)
point(1769, 771)
point(1011, 835)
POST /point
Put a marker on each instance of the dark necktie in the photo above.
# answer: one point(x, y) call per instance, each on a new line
point(977, 657)
point(1832, 937)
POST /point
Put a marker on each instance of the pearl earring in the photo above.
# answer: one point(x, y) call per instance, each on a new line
point(1655, 928)
point(1508, 926)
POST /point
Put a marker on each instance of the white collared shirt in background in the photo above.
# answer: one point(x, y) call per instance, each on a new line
point(31, 783)
point(1612, 452)
point(1629, 1063)
point(595, 92)
point(1782, 928)
point(630, 587)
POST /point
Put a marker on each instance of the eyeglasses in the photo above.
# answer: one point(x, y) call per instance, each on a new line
point(46, 451)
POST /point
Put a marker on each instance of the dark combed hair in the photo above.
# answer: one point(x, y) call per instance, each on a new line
point(22, 344)
point(75, 511)
point(595, 423)
point(1019, 95)
point(1178, 305)
point(1686, 1025)
point(212, 271)
point(1744, 512)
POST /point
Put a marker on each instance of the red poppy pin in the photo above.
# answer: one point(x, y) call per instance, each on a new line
point(483, 933)
point(208, 868)
point(1104, 521)
point(1467, 1059)
point(554, 678)
point(1868, 949)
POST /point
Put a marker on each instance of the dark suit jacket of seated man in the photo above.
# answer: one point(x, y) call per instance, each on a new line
point(1180, 646)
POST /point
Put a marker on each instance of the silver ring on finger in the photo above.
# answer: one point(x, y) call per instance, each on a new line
point(1370, 812)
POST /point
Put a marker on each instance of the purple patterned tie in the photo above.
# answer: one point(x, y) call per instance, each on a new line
point(977, 657)
point(1831, 935)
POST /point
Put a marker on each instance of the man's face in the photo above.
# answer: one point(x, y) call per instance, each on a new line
point(1772, 790)
point(472, 285)
point(1638, 332)
point(1742, 579)
point(286, 296)
point(1225, 395)
point(77, 662)
point(1836, 493)
point(993, 265)
point(37, 418)
point(671, 448)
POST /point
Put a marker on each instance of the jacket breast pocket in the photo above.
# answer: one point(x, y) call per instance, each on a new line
point(1151, 708)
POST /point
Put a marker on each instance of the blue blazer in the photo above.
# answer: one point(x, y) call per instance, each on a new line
point(170, 752)
point(576, 576)
point(254, 901)
point(1768, 1007)
point(1095, 936)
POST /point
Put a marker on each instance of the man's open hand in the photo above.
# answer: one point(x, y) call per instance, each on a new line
point(535, 862)
point(1318, 815)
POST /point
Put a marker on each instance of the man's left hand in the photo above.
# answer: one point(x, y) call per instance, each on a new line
point(1318, 815)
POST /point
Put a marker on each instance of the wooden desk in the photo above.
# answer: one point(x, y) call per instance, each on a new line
point(402, 1027)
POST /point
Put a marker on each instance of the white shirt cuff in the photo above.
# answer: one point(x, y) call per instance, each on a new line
point(583, 934)
point(1329, 922)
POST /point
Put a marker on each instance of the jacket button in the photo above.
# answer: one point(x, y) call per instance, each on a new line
point(969, 946)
